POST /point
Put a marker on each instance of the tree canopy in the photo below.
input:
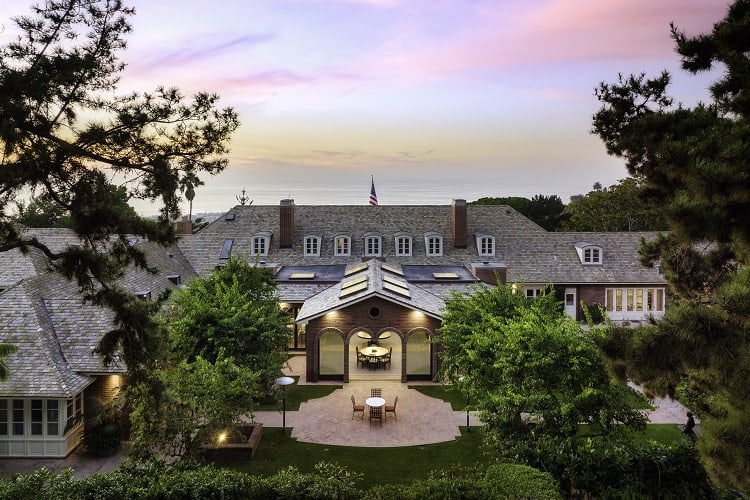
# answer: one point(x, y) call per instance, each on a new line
point(533, 374)
point(547, 211)
point(66, 134)
point(234, 311)
point(694, 164)
point(616, 208)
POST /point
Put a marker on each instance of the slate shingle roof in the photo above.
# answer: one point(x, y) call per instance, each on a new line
point(44, 315)
point(528, 251)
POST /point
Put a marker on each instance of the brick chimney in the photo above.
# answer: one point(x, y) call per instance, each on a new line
point(459, 223)
point(184, 226)
point(286, 224)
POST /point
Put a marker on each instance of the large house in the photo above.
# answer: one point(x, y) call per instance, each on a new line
point(365, 287)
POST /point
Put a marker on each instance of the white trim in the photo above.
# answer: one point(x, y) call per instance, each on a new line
point(433, 244)
point(345, 248)
point(311, 246)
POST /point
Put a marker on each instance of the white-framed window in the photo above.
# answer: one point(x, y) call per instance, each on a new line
point(486, 245)
point(74, 411)
point(373, 246)
point(592, 255)
point(532, 293)
point(312, 246)
point(342, 246)
point(433, 244)
point(634, 302)
point(403, 245)
point(589, 254)
point(29, 417)
point(261, 243)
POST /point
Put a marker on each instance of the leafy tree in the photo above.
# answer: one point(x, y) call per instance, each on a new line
point(5, 351)
point(66, 132)
point(234, 311)
point(616, 208)
point(694, 164)
point(41, 212)
point(201, 402)
point(534, 375)
point(547, 211)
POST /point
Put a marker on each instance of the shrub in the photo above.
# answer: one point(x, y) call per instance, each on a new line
point(519, 482)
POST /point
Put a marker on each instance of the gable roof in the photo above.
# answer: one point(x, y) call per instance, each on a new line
point(365, 281)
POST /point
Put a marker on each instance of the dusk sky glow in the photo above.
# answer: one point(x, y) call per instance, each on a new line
point(438, 99)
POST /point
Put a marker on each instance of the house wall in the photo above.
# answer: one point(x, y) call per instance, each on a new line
point(357, 317)
point(101, 392)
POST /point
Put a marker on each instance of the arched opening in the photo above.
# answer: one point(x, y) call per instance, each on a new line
point(418, 355)
point(375, 355)
point(331, 355)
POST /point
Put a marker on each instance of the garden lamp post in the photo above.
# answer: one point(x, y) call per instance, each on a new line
point(468, 429)
point(283, 382)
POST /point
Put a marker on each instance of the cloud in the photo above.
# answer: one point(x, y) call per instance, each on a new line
point(196, 51)
point(494, 35)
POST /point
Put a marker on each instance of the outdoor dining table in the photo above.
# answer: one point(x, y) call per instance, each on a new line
point(375, 402)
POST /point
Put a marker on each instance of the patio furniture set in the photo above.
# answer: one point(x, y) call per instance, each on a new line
point(375, 406)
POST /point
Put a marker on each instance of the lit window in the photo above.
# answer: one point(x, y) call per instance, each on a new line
point(433, 243)
point(403, 246)
point(342, 246)
point(372, 246)
point(312, 246)
point(486, 246)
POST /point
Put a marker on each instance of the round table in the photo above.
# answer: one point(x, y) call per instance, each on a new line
point(375, 402)
point(374, 352)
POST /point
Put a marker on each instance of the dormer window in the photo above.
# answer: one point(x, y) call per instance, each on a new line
point(433, 243)
point(485, 245)
point(589, 254)
point(312, 246)
point(403, 245)
point(261, 243)
point(373, 246)
point(342, 246)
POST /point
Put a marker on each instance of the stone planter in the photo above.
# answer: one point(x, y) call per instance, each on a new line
point(242, 448)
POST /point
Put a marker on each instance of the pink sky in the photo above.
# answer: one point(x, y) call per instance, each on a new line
point(437, 99)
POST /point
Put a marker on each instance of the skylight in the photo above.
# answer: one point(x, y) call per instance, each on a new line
point(396, 282)
point(355, 269)
point(353, 289)
point(397, 289)
point(445, 276)
point(302, 276)
point(391, 269)
point(354, 281)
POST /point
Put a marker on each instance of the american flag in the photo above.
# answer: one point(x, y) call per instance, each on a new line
point(373, 196)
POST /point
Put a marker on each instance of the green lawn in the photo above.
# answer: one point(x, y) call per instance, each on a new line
point(380, 465)
point(296, 394)
point(377, 465)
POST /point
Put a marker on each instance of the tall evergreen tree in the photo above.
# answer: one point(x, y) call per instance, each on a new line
point(65, 132)
point(695, 166)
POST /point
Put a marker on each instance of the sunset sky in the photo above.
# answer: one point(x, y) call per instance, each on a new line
point(437, 99)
